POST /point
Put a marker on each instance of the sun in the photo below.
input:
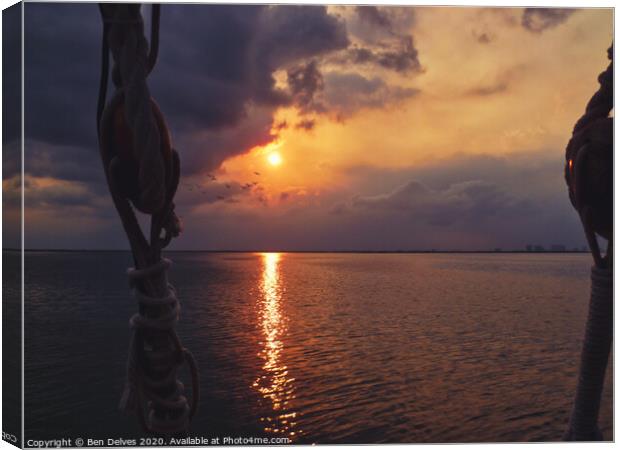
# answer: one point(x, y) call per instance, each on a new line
point(274, 158)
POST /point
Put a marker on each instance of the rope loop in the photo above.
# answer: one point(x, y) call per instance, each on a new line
point(142, 388)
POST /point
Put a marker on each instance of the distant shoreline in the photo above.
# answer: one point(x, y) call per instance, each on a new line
point(40, 250)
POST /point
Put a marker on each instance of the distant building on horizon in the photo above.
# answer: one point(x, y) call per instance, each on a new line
point(558, 248)
point(534, 248)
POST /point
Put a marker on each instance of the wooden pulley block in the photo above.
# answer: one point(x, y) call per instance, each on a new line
point(123, 162)
point(589, 174)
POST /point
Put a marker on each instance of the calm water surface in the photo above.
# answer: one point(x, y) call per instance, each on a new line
point(322, 348)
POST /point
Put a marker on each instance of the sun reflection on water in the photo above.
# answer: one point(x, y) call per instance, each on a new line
point(274, 382)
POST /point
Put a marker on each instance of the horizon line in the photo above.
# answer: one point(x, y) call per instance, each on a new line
point(59, 250)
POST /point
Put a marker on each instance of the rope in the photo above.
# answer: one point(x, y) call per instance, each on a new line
point(105, 53)
point(152, 389)
point(164, 362)
point(154, 51)
point(590, 192)
point(591, 127)
point(129, 50)
point(103, 78)
point(594, 357)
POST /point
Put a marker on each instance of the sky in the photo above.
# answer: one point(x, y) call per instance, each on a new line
point(323, 127)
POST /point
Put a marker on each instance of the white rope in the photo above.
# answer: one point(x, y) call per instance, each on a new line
point(139, 385)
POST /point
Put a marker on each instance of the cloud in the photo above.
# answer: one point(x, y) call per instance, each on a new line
point(371, 23)
point(292, 33)
point(461, 202)
point(51, 194)
point(349, 92)
point(214, 74)
point(380, 38)
point(305, 81)
point(306, 124)
point(66, 162)
point(458, 202)
point(496, 88)
point(204, 150)
point(374, 16)
point(400, 56)
point(61, 73)
point(497, 83)
point(11, 84)
point(464, 202)
point(537, 20)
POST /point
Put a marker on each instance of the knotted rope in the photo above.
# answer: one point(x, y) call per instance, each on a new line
point(141, 385)
point(155, 352)
point(594, 355)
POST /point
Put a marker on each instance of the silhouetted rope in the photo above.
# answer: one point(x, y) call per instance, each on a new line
point(155, 352)
point(594, 355)
point(140, 385)
point(589, 175)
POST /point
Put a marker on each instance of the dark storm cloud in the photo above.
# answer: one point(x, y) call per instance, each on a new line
point(204, 150)
point(11, 63)
point(61, 73)
point(224, 57)
point(538, 20)
point(210, 69)
point(11, 158)
point(292, 33)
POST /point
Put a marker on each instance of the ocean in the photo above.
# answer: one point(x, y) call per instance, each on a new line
point(321, 348)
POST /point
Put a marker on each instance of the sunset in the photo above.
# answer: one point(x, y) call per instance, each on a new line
point(340, 224)
point(384, 118)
